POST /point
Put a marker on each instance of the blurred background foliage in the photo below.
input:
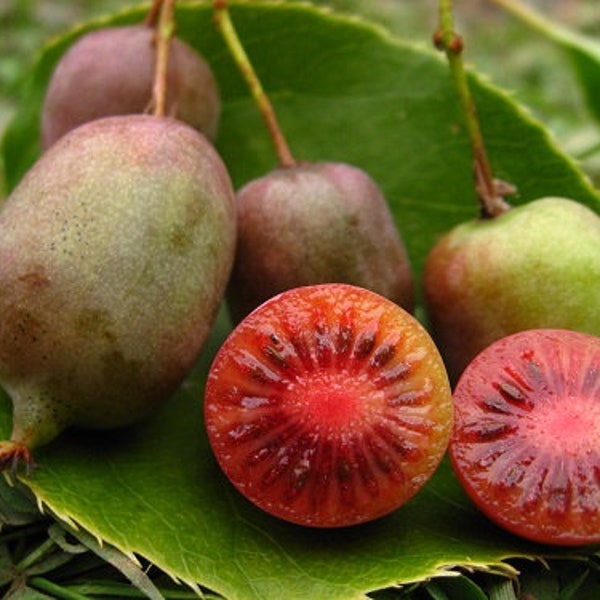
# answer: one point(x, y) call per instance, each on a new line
point(531, 67)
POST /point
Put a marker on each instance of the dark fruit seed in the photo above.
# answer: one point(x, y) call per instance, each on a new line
point(383, 355)
point(526, 439)
point(495, 404)
point(408, 398)
point(344, 339)
point(397, 373)
point(510, 392)
point(364, 345)
point(338, 416)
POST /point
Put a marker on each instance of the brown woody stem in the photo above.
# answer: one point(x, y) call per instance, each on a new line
point(165, 28)
point(488, 189)
point(152, 16)
point(238, 53)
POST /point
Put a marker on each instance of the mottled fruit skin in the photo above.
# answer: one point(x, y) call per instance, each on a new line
point(535, 266)
point(328, 406)
point(115, 250)
point(316, 223)
point(110, 71)
point(526, 438)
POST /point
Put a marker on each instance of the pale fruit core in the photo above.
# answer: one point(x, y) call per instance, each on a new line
point(328, 400)
point(560, 429)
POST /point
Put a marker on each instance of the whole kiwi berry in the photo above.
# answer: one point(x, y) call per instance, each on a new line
point(110, 71)
point(316, 223)
point(534, 266)
point(115, 250)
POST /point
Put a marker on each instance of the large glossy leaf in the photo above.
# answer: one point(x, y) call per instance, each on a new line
point(344, 90)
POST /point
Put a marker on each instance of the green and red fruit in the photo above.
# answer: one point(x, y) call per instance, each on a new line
point(111, 71)
point(316, 223)
point(328, 406)
point(115, 251)
point(526, 439)
point(534, 266)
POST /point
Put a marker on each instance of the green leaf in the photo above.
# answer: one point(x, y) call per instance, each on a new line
point(125, 565)
point(27, 593)
point(16, 508)
point(344, 90)
point(561, 580)
point(455, 588)
point(582, 51)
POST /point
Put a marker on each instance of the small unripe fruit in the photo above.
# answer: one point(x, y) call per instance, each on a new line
point(115, 250)
point(534, 266)
point(111, 71)
point(316, 223)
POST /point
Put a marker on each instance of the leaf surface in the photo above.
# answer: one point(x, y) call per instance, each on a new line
point(582, 51)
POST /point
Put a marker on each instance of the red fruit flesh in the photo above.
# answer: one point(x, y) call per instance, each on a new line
point(328, 406)
point(526, 438)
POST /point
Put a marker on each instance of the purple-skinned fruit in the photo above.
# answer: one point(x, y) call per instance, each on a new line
point(324, 222)
point(111, 71)
point(115, 251)
point(535, 266)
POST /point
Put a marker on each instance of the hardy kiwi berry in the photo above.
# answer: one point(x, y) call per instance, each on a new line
point(316, 223)
point(111, 71)
point(526, 438)
point(115, 250)
point(328, 406)
point(534, 266)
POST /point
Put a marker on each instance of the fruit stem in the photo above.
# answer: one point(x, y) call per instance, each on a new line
point(152, 16)
point(12, 455)
point(227, 28)
point(165, 28)
point(489, 190)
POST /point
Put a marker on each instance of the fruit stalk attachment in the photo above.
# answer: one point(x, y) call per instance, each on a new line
point(153, 14)
point(239, 55)
point(165, 28)
point(489, 190)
